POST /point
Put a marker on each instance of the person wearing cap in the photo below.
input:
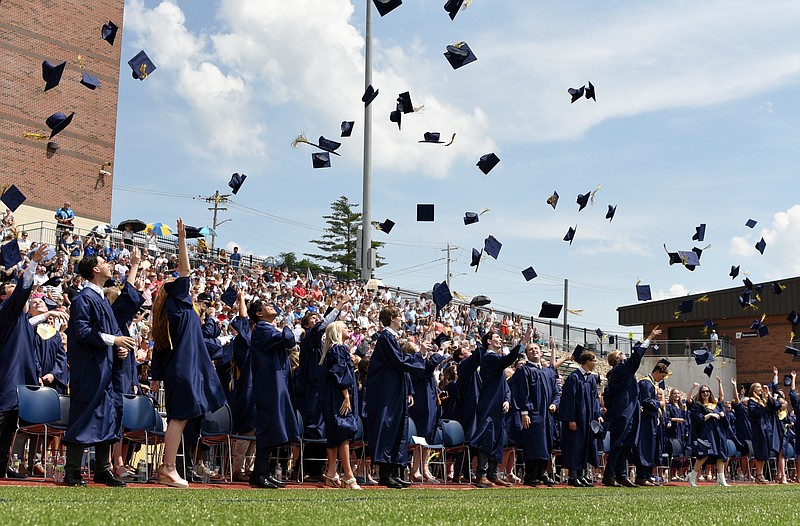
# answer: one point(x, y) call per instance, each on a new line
point(709, 436)
point(18, 362)
point(181, 361)
point(578, 408)
point(276, 424)
point(653, 405)
point(94, 346)
point(493, 403)
point(64, 217)
point(621, 397)
point(536, 397)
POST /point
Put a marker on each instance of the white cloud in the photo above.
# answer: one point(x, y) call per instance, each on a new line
point(677, 290)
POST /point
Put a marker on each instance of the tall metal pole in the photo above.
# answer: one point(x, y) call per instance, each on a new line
point(566, 306)
point(366, 198)
point(448, 266)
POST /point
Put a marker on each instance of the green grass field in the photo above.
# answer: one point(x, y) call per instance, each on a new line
point(709, 505)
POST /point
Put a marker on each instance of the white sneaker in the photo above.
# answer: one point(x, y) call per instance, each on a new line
point(693, 479)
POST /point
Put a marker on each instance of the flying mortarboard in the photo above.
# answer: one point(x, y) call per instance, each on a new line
point(699, 232)
point(487, 162)
point(425, 212)
point(761, 245)
point(576, 93)
point(762, 330)
point(441, 295)
point(452, 7)
point(571, 234)
point(386, 226)
point(193, 232)
point(599, 332)
point(791, 350)
point(89, 81)
point(459, 55)
point(236, 182)
point(745, 299)
point(9, 253)
point(643, 293)
point(751, 223)
point(52, 282)
point(590, 92)
point(51, 74)
point(611, 211)
point(386, 6)
point(611, 339)
point(12, 198)
point(583, 200)
point(396, 116)
point(57, 122)
point(321, 159)
point(787, 380)
point(702, 356)
point(432, 137)
point(529, 273)
point(492, 246)
point(747, 283)
point(708, 369)
point(229, 296)
point(550, 310)
point(777, 287)
point(470, 218)
point(369, 95)
point(793, 318)
point(109, 32)
point(685, 306)
point(553, 200)
point(141, 66)
point(404, 102)
point(475, 259)
point(328, 145)
point(734, 271)
point(347, 128)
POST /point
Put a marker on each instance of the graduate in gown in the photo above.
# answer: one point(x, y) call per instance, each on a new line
point(425, 410)
point(338, 400)
point(710, 441)
point(51, 356)
point(578, 408)
point(181, 361)
point(621, 399)
point(795, 399)
point(648, 448)
point(244, 405)
point(94, 346)
point(469, 387)
point(759, 405)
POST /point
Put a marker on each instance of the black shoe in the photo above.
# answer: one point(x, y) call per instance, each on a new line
point(276, 482)
point(547, 481)
point(576, 483)
point(11, 474)
point(108, 478)
point(260, 481)
point(586, 482)
point(390, 482)
point(402, 482)
point(611, 483)
point(74, 479)
point(531, 483)
point(627, 483)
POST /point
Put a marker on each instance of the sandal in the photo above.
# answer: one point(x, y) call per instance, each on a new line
point(331, 482)
point(167, 480)
point(350, 484)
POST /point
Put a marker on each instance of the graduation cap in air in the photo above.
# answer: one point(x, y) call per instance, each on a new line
point(10, 254)
point(751, 223)
point(787, 380)
point(746, 299)
point(492, 246)
point(702, 356)
point(487, 162)
point(576, 353)
point(747, 283)
point(51, 74)
point(708, 369)
point(685, 306)
point(688, 258)
point(459, 55)
point(396, 116)
point(791, 350)
point(452, 7)
point(793, 318)
point(553, 200)
point(643, 293)
point(590, 92)
point(386, 226)
point(321, 159)
point(369, 95)
point(777, 287)
point(236, 182)
point(599, 332)
point(480, 301)
point(475, 259)
point(229, 296)
point(611, 211)
point(699, 232)
point(425, 212)
point(432, 137)
point(109, 32)
point(12, 198)
point(141, 66)
point(386, 6)
point(576, 94)
point(583, 200)
point(611, 339)
point(347, 128)
point(89, 81)
point(708, 324)
point(529, 273)
point(734, 271)
point(57, 122)
point(470, 218)
point(571, 234)
point(761, 245)
point(55, 281)
point(193, 232)
point(441, 295)
point(550, 310)
point(327, 145)
point(404, 102)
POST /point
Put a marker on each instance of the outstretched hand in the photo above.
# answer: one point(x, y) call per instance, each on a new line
point(181, 229)
point(655, 332)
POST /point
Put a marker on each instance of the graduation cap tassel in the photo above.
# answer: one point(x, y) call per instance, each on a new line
point(576, 312)
point(703, 299)
point(142, 71)
point(79, 60)
point(452, 139)
point(300, 139)
point(591, 197)
point(483, 211)
point(466, 4)
point(35, 136)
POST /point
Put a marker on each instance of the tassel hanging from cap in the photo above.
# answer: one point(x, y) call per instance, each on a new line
point(35, 136)
point(452, 139)
point(300, 139)
point(576, 312)
point(591, 197)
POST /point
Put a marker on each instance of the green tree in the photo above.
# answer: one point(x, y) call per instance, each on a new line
point(338, 243)
point(300, 265)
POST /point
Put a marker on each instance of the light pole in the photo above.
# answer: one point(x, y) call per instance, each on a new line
point(366, 199)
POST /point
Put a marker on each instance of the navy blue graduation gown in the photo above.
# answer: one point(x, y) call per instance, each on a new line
point(709, 435)
point(310, 379)
point(490, 433)
point(53, 360)
point(676, 429)
point(387, 400)
point(18, 361)
point(210, 328)
point(244, 405)
point(125, 308)
point(534, 389)
point(450, 403)
point(512, 420)
point(742, 424)
point(95, 412)
point(425, 411)
point(469, 388)
point(191, 385)
point(622, 392)
point(796, 424)
point(761, 429)
point(578, 404)
point(276, 422)
point(648, 446)
point(339, 375)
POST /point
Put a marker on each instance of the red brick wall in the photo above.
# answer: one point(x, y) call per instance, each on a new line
point(59, 30)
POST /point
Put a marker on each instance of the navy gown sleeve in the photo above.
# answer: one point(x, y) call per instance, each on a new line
point(338, 367)
point(126, 306)
point(647, 398)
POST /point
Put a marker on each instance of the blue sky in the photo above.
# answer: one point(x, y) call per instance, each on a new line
point(695, 122)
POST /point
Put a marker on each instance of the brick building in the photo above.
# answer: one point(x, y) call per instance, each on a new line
point(754, 356)
point(58, 31)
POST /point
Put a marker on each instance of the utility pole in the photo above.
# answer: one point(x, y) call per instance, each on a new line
point(217, 199)
point(366, 200)
point(447, 278)
point(566, 306)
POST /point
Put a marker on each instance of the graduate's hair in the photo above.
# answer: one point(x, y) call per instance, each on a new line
point(486, 337)
point(586, 356)
point(333, 336)
point(111, 294)
point(711, 399)
point(160, 322)
point(613, 357)
point(306, 317)
point(363, 369)
point(661, 368)
point(253, 310)
point(387, 313)
point(448, 375)
point(409, 348)
point(86, 267)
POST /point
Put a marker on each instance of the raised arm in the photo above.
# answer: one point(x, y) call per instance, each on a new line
point(735, 392)
point(184, 269)
point(135, 257)
point(721, 391)
point(689, 397)
point(242, 304)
